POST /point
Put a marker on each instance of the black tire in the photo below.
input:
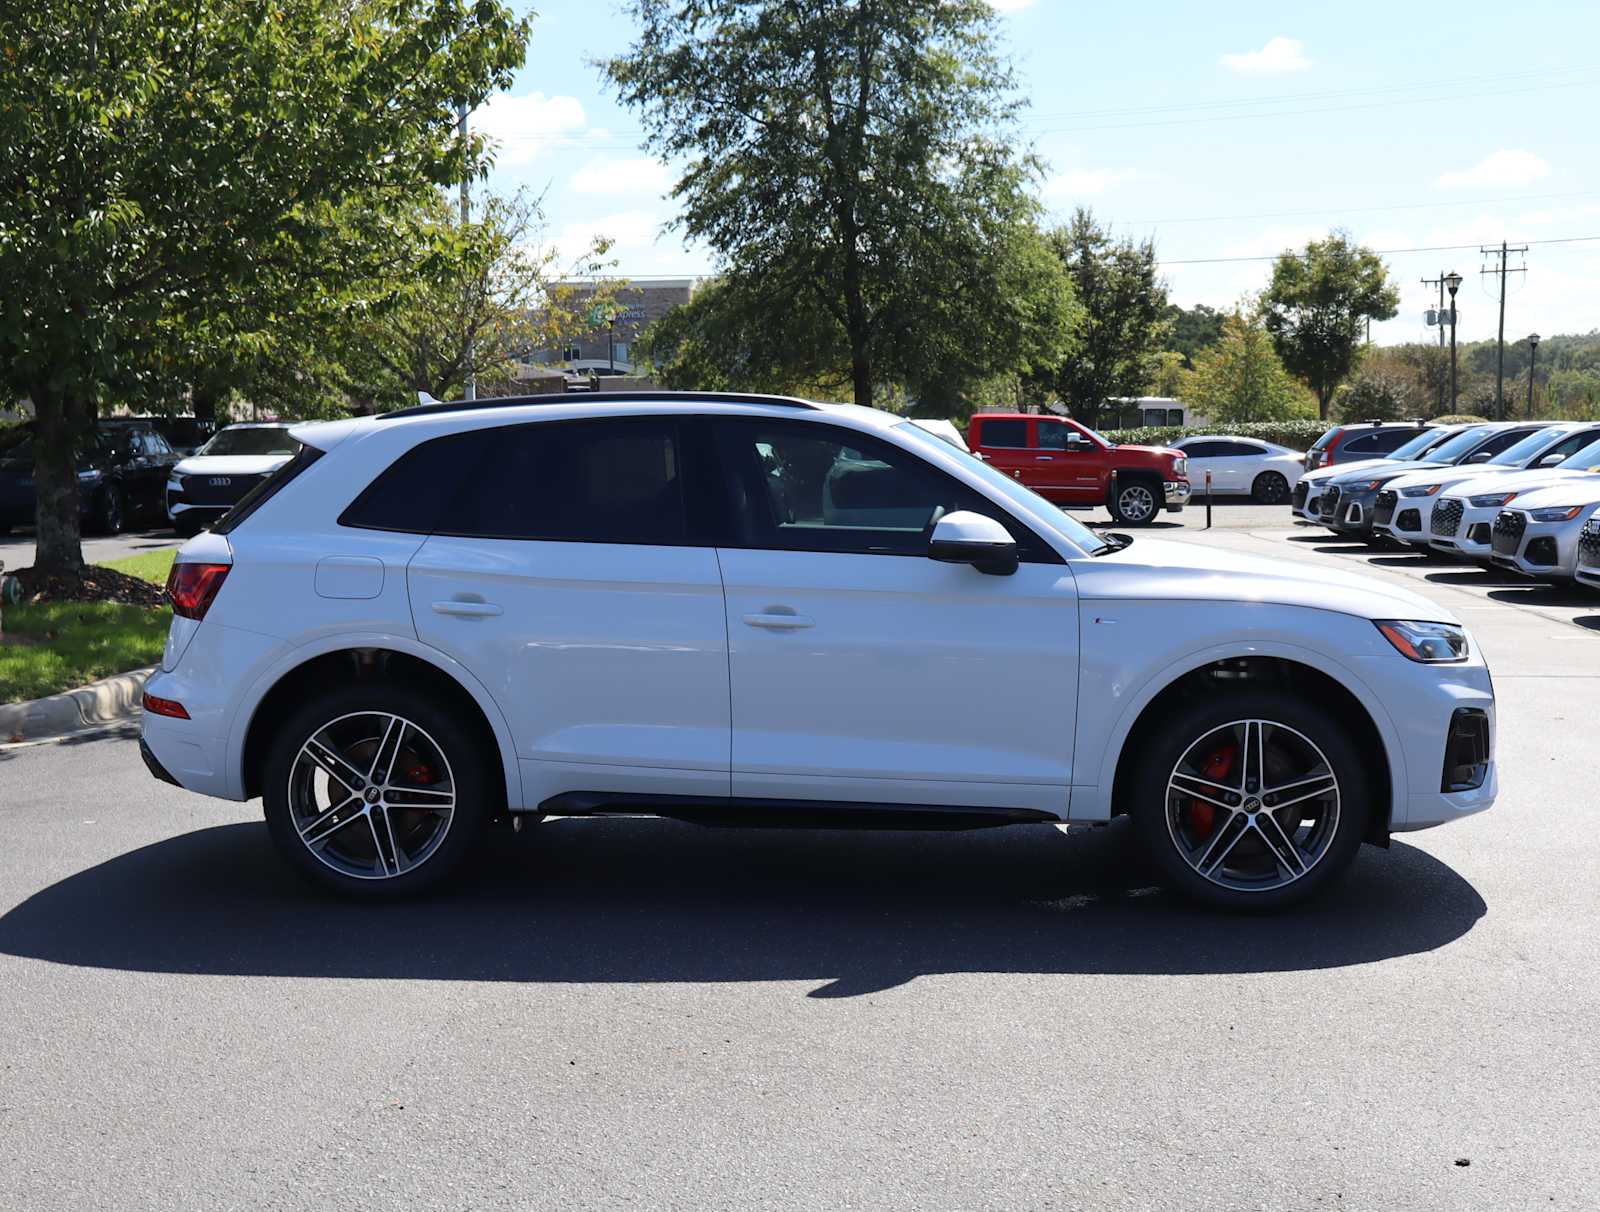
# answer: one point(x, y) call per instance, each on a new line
point(1151, 804)
point(473, 777)
point(1135, 500)
point(109, 513)
point(1270, 488)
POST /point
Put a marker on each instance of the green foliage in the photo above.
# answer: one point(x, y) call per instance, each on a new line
point(1460, 418)
point(1121, 329)
point(1317, 305)
point(66, 644)
point(1190, 330)
point(196, 181)
point(1241, 379)
point(1297, 434)
point(1170, 376)
point(1378, 393)
point(852, 168)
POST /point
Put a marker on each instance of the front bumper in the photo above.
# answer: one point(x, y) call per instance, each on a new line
point(1351, 512)
point(1545, 550)
point(1472, 533)
point(1402, 518)
point(1588, 569)
point(1177, 494)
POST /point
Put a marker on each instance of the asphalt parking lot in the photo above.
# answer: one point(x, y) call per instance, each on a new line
point(631, 1012)
point(16, 548)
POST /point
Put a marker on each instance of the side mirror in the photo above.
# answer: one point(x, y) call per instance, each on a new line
point(1076, 441)
point(1552, 460)
point(971, 538)
point(1482, 456)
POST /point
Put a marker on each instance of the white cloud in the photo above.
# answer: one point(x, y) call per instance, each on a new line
point(640, 175)
point(1278, 56)
point(527, 126)
point(1081, 182)
point(1507, 166)
point(1010, 6)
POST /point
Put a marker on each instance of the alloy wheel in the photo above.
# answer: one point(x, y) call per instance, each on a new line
point(1136, 503)
point(1272, 489)
point(1252, 805)
point(371, 795)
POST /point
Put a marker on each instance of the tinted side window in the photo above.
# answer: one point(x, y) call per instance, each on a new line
point(1203, 450)
point(1003, 431)
point(1242, 449)
point(1501, 441)
point(1386, 440)
point(613, 481)
point(804, 487)
point(411, 494)
point(1053, 435)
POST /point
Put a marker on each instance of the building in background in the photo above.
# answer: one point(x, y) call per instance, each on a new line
point(609, 347)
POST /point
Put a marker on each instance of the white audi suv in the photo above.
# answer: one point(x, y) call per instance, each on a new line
point(747, 609)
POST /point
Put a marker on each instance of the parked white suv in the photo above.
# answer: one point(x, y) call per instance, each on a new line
point(746, 609)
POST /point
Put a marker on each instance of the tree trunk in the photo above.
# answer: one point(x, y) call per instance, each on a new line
point(59, 536)
point(204, 401)
point(861, 377)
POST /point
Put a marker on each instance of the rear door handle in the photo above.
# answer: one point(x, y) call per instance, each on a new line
point(468, 610)
point(775, 621)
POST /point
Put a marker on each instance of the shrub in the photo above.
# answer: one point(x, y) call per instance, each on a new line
point(1295, 434)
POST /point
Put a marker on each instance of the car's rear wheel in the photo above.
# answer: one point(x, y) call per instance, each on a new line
point(1270, 488)
point(376, 790)
point(108, 514)
point(1254, 800)
point(1134, 502)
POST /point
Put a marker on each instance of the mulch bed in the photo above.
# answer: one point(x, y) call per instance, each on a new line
point(92, 584)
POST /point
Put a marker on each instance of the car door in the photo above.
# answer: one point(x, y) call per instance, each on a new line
point(1240, 463)
point(159, 461)
point(863, 671)
point(1202, 454)
point(1005, 442)
point(568, 577)
point(1075, 474)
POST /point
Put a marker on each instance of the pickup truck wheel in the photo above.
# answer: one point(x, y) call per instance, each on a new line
point(1251, 800)
point(376, 790)
point(1135, 502)
point(1270, 488)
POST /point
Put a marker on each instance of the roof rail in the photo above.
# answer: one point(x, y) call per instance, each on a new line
point(620, 397)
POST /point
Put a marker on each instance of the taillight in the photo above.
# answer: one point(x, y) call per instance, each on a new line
point(193, 587)
point(167, 707)
point(1327, 451)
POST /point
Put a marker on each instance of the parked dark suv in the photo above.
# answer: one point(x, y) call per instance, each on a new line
point(1366, 440)
point(122, 473)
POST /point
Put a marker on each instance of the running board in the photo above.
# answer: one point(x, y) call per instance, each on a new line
point(790, 814)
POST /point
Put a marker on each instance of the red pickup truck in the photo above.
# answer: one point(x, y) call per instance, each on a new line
point(1070, 464)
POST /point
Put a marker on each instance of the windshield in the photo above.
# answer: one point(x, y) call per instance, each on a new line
point(1519, 453)
point(250, 442)
point(1412, 448)
point(1586, 458)
point(1011, 490)
point(1459, 446)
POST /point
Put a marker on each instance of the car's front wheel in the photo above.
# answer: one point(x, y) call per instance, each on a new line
point(1252, 800)
point(108, 515)
point(1270, 488)
point(1135, 502)
point(377, 790)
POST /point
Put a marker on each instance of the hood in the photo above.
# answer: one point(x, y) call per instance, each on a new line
point(230, 465)
point(1167, 451)
point(1159, 569)
point(1575, 490)
point(1447, 477)
point(1338, 469)
point(1386, 470)
point(1517, 481)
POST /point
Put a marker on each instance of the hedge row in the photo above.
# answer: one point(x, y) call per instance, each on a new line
point(1297, 435)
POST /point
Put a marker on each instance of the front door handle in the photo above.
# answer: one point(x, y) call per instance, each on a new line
point(777, 620)
point(1044, 458)
point(468, 610)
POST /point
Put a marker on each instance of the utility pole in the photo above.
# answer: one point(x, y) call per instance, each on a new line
point(466, 212)
point(1500, 359)
point(1439, 282)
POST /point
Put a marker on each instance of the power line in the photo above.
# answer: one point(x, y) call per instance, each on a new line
point(1383, 252)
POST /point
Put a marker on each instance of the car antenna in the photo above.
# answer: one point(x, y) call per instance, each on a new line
point(424, 398)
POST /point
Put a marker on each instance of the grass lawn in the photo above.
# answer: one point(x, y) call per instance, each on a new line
point(65, 644)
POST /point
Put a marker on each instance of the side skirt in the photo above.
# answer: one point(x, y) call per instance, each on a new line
point(789, 814)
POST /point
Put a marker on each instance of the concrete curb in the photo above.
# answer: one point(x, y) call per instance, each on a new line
point(104, 702)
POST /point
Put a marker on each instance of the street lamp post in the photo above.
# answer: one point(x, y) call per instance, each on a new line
point(1452, 283)
point(611, 342)
point(1533, 357)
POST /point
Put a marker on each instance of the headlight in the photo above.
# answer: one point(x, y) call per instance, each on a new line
point(1491, 500)
point(1367, 487)
point(1421, 490)
point(1180, 466)
point(1430, 643)
point(89, 475)
point(1558, 514)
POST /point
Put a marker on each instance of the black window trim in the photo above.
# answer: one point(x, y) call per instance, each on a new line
point(266, 488)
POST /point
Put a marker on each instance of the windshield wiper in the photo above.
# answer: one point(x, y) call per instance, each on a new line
point(1115, 542)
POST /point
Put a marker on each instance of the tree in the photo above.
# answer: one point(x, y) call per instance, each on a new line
point(1123, 302)
point(1169, 375)
point(1190, 330)
point(1378, 393)
point(1241, 378)
point(852, 162)
point(182, 177)
point(489, 291)
point(1317, 306)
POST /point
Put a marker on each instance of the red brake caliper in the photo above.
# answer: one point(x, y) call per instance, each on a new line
point(1202, 817)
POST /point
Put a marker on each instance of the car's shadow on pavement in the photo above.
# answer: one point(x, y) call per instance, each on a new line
point(631, 900)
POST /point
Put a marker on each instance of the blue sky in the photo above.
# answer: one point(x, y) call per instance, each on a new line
point(1229, 130)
